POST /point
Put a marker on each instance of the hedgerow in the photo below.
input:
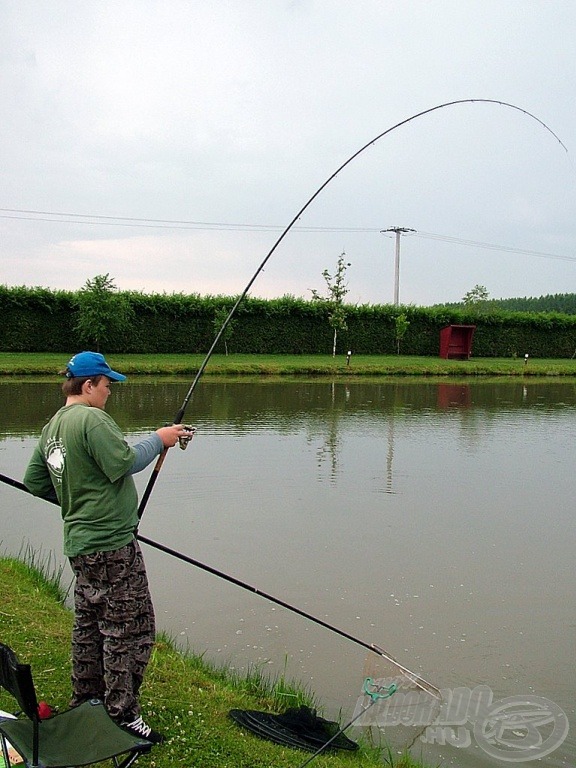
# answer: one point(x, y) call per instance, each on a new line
point(42, 320)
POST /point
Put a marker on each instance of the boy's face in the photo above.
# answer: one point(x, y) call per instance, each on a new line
point(99, 393)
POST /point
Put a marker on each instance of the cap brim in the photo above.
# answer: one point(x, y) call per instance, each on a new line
point(115, 376)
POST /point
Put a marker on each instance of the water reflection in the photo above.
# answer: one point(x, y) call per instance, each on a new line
point(454, 396)
point(433, 518)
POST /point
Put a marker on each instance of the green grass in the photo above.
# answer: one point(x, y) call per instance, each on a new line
point(48, 364)
point(183, 696)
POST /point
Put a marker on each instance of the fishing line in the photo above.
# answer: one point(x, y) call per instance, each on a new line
point(414, 678)
point(179, 417)
point(180, 414)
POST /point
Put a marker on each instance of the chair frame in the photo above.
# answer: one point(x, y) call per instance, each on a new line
point(28, 736)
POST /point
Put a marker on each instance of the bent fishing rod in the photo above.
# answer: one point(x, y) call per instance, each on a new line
point(413, 677)
point(178, 419)
point(180, 414)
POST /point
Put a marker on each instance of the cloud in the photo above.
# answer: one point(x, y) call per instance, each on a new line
point(237, 112)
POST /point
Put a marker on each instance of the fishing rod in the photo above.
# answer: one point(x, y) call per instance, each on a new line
point(181, 412)
point(179, 417)
point(414, 678)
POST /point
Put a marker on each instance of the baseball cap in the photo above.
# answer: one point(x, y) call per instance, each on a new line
point(91, 364)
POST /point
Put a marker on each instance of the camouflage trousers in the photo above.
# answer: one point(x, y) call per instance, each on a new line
point(114, 629)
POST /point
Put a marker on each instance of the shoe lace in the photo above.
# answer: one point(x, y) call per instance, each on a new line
point(140, 727)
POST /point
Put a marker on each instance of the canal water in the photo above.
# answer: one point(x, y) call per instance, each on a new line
point(432, 518)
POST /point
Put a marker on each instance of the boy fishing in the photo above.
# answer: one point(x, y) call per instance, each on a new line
point(83, 460)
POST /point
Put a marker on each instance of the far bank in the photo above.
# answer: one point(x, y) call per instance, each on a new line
point(50, 363)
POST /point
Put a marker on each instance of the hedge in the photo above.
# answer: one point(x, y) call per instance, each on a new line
point(41, 320)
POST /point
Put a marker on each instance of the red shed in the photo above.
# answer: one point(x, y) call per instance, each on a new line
point(456, 341)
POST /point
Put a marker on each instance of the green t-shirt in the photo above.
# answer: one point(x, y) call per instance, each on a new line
point(82, 454)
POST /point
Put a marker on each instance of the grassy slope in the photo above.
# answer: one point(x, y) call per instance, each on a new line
point(182, 696)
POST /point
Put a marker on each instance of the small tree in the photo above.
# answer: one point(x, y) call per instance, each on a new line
point(401, 324)
point(220, 316)
point(476, 297)
point(103, 314)
point(337, 290)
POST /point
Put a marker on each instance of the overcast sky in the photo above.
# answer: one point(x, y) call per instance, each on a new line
point(169, 142)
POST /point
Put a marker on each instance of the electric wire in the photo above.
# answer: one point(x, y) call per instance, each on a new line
point(179, 418)
point(220, 226)
point(180, 414)
point(492, 246)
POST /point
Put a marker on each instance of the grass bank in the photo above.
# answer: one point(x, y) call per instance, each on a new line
point(48, 364)
point(183, 696)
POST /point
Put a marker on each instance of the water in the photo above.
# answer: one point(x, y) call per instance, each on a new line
point(432, 518)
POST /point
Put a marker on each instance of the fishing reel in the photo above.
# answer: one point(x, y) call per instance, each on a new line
point(183, 440)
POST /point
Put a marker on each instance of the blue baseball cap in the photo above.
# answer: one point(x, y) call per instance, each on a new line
point(91, 364)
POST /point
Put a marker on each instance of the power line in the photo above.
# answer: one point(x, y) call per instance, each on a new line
point(492, 246)
point(184, 224)
point(81, 218)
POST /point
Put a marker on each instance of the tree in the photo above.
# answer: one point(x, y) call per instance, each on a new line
point(401, 324)
point(103, 314)
point(477, 296)
point(220, 316)
point(337, 290)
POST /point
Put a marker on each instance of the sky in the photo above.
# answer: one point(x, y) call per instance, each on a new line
point(169, 144)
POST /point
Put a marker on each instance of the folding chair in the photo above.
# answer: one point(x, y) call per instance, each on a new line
point(79, 736)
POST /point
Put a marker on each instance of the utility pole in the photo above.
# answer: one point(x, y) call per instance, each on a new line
point(399, 231)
